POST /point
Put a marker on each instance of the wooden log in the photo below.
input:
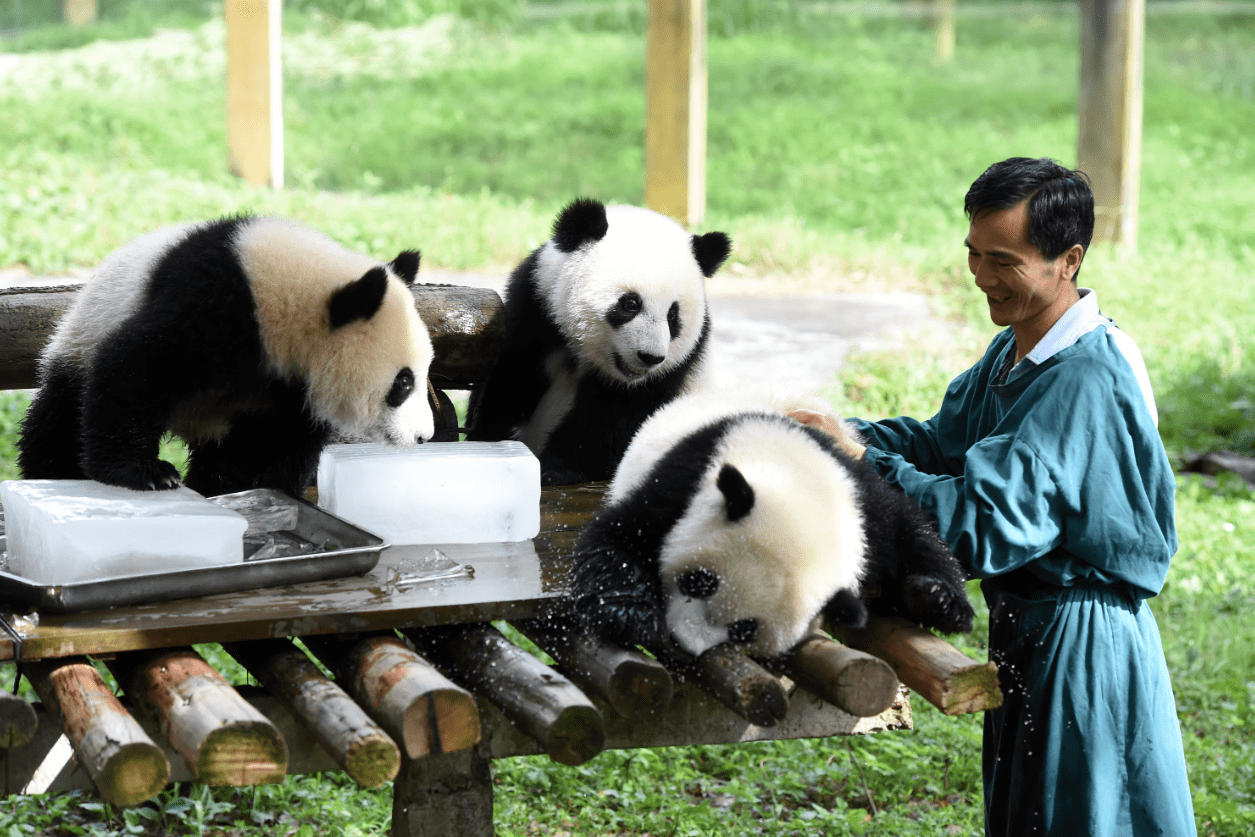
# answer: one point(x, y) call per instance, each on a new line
point(18, 721)
point(415, 703)
point(635, 686)
point(854, 681)
point(734, 680)
point(467, 327)
point(223, 739)
point(340, 726)
point(126, 765)
point(927, 664)
point(444, 795)
point(535, 698)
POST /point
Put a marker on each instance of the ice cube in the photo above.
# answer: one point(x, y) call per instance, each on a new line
point(63, 531)
point(440, 492)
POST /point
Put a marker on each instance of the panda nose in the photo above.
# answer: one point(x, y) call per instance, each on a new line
point(649, 359)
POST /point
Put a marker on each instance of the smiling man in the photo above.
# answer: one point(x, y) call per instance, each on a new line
point(1045, 473)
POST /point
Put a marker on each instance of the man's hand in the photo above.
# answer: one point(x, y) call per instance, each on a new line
point(833, 427)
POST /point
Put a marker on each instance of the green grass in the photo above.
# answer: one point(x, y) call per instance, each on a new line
point(839, 151)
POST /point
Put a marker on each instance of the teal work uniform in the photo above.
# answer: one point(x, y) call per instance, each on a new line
point(1049, 481)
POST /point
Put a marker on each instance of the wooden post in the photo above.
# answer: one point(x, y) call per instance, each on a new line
point(357, 744)
point(928, 664)
point(1110, 113)
point(18, 721)
point(943, 19)
point(223, 739)
point(540, 702)
point(445, 795)
point(634, 685)
point(854, 681)
point(254, 91)
point(734, 680)
point(78, 12)
point(675, 109)
point(126, 765)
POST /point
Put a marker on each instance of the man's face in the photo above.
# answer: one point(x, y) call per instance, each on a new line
point(1024, 290)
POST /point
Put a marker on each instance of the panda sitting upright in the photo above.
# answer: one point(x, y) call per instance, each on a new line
point(605, 323)
point(728, 521)
point(253, 339)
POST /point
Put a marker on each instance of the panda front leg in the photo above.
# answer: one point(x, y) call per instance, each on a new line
point(50, 445)
point(934, 592)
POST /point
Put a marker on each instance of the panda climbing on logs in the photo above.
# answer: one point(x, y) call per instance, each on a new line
point(253, 339)
point(728, 521)
point(605, 323)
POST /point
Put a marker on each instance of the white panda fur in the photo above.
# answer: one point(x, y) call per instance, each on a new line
point(813, 534)
point(254, 339)
point(580, 369)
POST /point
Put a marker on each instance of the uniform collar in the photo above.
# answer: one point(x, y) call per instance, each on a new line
point(1080, 319)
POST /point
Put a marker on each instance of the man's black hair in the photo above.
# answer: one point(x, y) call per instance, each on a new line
point(1060, 203)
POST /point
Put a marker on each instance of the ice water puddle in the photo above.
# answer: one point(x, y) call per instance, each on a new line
point(434, 566)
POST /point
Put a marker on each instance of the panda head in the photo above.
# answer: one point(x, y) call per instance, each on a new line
point(626, 288)
point(344, 325)
point(771, 536)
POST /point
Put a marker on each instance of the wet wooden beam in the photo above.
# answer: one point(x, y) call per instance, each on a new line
point(359, 745)
point(223, 739)
point(467, 328)
point(633, 684)
point(126, 766)
point(542, 703)
point(927, 664)
point(735, 680)
point(854, 681)
point(18, 721)
point(407, 695)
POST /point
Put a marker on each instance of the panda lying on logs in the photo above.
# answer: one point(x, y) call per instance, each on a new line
point(605, 323)
point(253, 339)
point(728, 521)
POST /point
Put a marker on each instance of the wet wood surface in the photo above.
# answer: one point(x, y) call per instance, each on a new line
point(17, 721)
point(735, 680)
point(511, 581)
point(855, 681)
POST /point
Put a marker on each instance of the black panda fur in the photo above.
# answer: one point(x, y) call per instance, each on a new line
point(174, 332)
point(554, 386)
point(680, 518)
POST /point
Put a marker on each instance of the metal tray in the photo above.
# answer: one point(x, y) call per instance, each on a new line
point(345, 550)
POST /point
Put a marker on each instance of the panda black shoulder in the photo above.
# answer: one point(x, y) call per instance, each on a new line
point(526, 318)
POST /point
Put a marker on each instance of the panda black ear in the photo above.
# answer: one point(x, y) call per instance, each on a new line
point(358, 300)
point(710, 250)
point(584, 219)
point(405, 265)
point(737, 493)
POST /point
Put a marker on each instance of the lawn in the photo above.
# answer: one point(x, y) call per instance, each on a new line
point(839, 151)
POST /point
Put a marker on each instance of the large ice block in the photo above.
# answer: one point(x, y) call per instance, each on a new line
point(440, 492)
point(63, 531)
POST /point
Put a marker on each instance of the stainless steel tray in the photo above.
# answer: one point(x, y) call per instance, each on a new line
point(341, 549)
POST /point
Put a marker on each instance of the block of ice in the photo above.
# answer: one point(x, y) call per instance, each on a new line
point(63, 531)
point(440, 492)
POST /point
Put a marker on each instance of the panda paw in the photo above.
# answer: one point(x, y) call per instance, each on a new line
point(622, 618)
point(154, 475)
point(934, 603)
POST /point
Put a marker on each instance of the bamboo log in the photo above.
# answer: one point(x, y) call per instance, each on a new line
point(532, 696)
point(415, 703)
point(224, 740)
point(635, 686)
point(126, 765)
point(927, 664)
point(854, 681)
point(339, 725)
point(18, 721)
point(734, 680)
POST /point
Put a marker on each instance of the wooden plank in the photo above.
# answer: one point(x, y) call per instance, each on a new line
point(535, 698)
point(221, 736)
point(926, 663)
point(675, 109)
point(467, 327)
point(17, 721)
point(1109, 145)
point(415, 703)
point(123, 762)
point(360, 747)
point(855, 681)
point(254, 91)
point(634, 685)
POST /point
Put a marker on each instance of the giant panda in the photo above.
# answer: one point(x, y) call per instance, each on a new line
point(604, 323)
point(728, 521)
point(254, 339)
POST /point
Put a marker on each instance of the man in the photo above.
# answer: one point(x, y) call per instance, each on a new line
point(1046, 475)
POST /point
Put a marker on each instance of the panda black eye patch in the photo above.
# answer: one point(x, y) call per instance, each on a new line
point(673, 319)
point(698, 584)
point(623, 312)
point(402, 386)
